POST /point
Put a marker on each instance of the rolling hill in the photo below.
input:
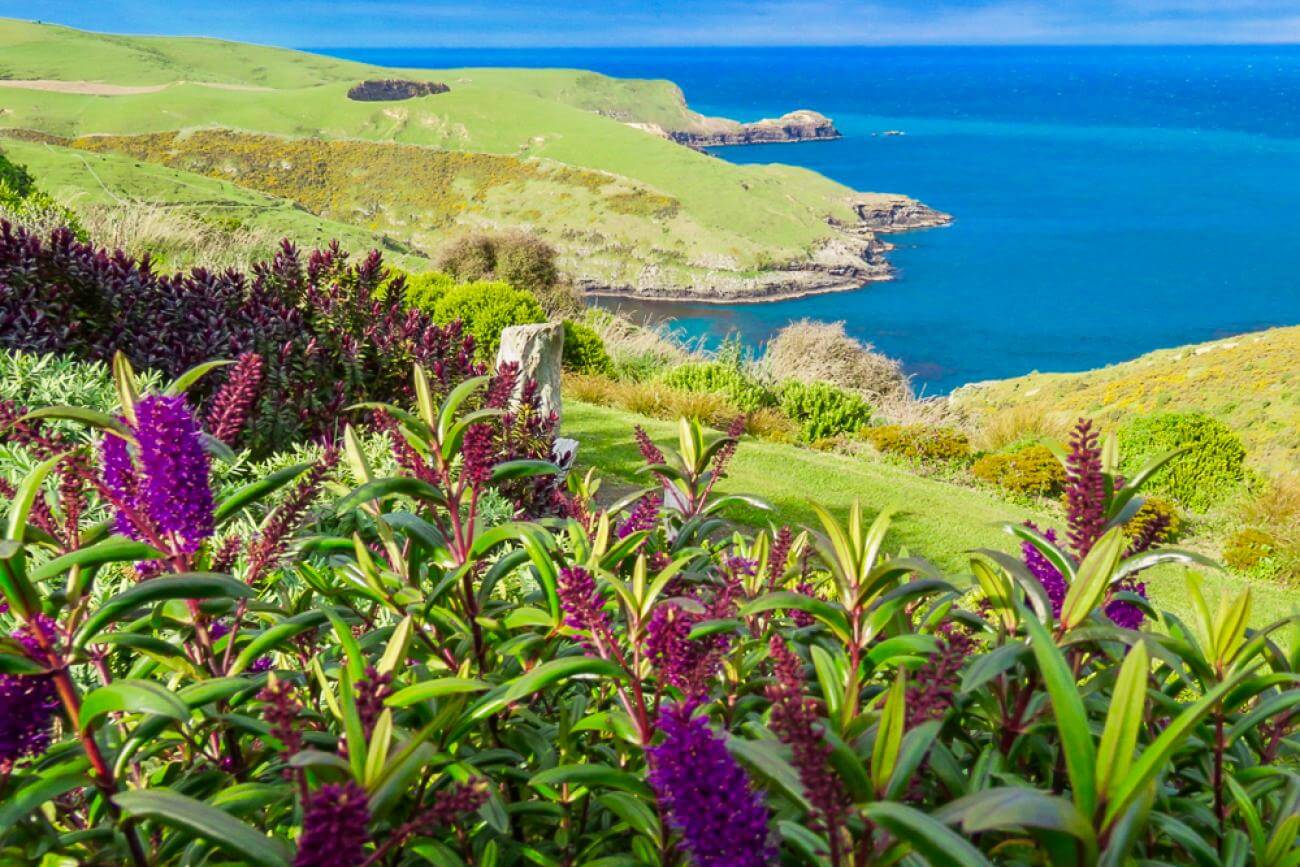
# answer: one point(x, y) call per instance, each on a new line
point(662, 220)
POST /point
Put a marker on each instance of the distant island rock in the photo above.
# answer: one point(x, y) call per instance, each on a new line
point(711, 132)
point(393, 89)
point(796, 126)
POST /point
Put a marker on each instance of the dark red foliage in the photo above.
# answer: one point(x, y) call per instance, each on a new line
point(327, 335)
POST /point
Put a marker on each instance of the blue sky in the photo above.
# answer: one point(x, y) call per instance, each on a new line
point(471, 23)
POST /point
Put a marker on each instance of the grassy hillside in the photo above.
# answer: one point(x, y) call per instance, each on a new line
point(735, 221)
point(1250, 382)
point(934, 519)
point(88, 180)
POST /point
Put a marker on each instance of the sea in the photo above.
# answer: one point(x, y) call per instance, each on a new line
point(1108, 201)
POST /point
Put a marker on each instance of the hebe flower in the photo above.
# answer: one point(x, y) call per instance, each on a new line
point(1047, 574)
point(582, 603)
point(169, 485)
point(453, 802)
point(478, 453)
point(649, 451)
point(777, 557)
point(797, 722)
point(334, 827)
point(28, 703)
point(644, 516)
point(705, 796)
point(232, 402)
point(1125, 614)
point(371, 692)
point(1085, 492)
point(930, 691)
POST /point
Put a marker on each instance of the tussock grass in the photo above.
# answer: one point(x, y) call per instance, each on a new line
point(177, 238)
point(1016, 424)
point(809, 351)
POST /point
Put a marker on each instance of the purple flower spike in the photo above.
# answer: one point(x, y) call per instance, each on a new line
point(334, 827)
point(177, 491)
point(121, 481)
point(705, 796)
point(1047, 574)
point(29, 702)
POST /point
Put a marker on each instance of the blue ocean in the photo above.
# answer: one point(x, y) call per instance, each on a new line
point(1108, 201)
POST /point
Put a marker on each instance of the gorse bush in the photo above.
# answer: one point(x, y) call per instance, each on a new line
point(823, 411)
point(584, 351)
point(1210, 470)
point(719, 377)
point(1031, 471)
point(523, 261)
point(630, 683)
point(325, 336)
point(920, 442)
point(484, 309)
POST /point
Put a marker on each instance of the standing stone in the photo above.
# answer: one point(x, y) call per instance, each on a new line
point(538, 349)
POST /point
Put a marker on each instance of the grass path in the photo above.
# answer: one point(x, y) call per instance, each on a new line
point(934, 519)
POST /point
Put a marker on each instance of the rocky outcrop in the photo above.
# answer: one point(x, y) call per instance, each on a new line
point(393, 89)
point(887, 213)
point(802, 125)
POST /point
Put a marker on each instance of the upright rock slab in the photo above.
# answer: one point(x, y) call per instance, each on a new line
point(538, 350)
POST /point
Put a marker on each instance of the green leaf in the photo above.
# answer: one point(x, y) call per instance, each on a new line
point(889, 734)
point(101, 420)
point(428, 689)
point(378, 489)
point(1123, 720)
point(18, 804)
point(551, 673)
point(182, 383)
point(1071, 718)
point(1156, 757)
point(989, 665)
point(187, 585)
point(522, 469)
point(254, 491)
point(29, 489)
point(591, 775)
point(17, 589)
point(1095, 572)
point(114, 549)
point(1012, 807)
point(206, 822)
point(784, 600)
point(132, 696)
point(275, 636)
point(931, 839)
point(764, 759)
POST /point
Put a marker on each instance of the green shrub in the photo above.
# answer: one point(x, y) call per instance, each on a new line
point(424, 291)
point(485, 308)
point(1032, 471)
point(36, 211)
point(15, 177)
point(822, 411)
point(716, 377)
point(584, 351)
point(519, 259)
point(920, 442)
point(1211, 470)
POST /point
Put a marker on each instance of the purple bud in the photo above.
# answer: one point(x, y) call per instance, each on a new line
point(334, 827)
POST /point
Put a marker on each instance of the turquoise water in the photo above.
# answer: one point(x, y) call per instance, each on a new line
point(1108, 201)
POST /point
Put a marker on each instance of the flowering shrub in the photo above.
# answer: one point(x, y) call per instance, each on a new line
point(1031, 471)
point(919, 442)
point(595, 684)
point(823, 411)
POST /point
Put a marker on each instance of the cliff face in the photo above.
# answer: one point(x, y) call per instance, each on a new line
point(802, 125)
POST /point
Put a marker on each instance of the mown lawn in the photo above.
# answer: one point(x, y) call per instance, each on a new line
point(934, 519)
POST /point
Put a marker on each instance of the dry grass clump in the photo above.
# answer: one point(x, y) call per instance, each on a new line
point(1277, 504)
point(810, 351)
point(657, 400)
point(638, 350)
point(175, 238)
point(1017, 424)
